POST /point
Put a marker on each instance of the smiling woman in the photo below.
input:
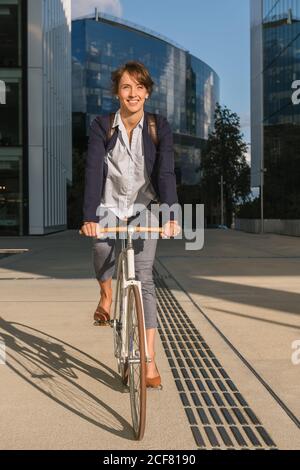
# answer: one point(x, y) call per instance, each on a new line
point(132, 85)
point(130, 172)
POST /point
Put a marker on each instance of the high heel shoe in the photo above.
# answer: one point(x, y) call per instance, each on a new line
point(154, 382)
point(101, 317)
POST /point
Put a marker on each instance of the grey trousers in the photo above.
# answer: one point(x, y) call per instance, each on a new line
point(104, 256)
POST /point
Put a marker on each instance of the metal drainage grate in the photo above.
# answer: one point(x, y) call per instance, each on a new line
point(218, 414)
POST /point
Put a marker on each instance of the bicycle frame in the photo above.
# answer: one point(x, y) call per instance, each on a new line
point(126, 277)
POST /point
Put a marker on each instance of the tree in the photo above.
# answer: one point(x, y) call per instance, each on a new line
point(224, 155)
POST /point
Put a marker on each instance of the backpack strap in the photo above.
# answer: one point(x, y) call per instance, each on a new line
point(152, 128)
point(110, 131)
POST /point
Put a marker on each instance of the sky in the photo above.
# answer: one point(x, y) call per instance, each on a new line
point(215, 31)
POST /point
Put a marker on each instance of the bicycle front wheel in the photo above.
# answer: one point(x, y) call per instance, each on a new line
point(136, 361)
point(118, 329)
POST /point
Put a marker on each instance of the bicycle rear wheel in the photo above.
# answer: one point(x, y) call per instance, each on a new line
point(136, 361)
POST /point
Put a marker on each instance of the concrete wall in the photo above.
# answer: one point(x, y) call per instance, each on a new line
point(283, 227)
point(49, 113)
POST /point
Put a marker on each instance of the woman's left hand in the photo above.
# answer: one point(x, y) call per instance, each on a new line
point(171, 229)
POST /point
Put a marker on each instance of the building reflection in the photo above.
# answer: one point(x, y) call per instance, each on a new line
point(275, 119)
point(186, 91)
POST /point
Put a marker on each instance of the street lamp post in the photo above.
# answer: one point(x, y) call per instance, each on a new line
point(262, 176)
point(221, 183)
point(262, 172)
point(222, 205)
point(261, 201)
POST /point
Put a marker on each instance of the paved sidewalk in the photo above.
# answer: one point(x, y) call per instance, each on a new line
point(59, 387)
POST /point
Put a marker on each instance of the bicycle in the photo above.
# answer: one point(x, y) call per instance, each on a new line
point(130, 344)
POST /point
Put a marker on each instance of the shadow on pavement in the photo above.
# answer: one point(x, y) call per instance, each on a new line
point(56, 368)
point(251, 317)
point(67, 255)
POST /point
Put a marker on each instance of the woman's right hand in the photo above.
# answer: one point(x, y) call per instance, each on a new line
point(89, 229)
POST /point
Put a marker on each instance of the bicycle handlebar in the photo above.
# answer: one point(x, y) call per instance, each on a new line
point(125, 229)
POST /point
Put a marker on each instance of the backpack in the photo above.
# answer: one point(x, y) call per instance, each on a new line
point(152, 128)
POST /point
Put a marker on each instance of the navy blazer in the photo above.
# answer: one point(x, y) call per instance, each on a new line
point(159, 163)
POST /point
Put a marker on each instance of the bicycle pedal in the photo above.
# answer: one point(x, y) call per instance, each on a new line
point(100, 323)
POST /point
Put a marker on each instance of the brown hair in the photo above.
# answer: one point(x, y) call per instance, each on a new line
point(135, 69)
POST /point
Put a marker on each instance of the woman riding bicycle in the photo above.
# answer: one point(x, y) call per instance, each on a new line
point(124, 170)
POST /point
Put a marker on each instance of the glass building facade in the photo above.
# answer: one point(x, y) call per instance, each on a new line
point(35, 115)
point(11, 116)
point(276, 117)
point(185, 92)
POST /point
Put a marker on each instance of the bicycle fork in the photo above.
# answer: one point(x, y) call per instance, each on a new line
point(130, 276)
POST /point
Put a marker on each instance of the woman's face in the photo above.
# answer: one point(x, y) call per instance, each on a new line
point(132, 94)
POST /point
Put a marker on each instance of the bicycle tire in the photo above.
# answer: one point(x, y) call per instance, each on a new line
point(122, 367)
point(137, 369)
